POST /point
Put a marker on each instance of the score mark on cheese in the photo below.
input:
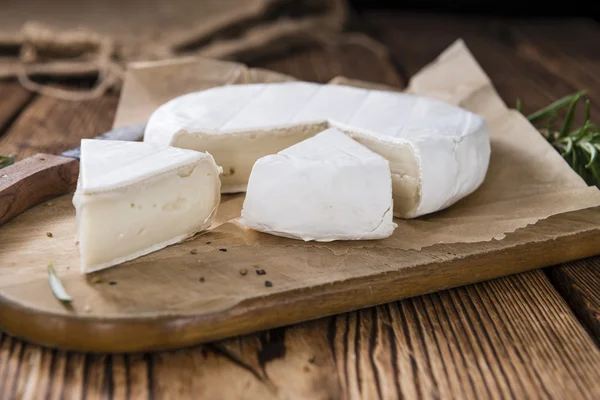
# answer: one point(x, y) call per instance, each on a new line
point(438, 153)
point(134, 198)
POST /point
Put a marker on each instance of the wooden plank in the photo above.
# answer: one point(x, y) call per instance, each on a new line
point(512, 337)
point(435, 346)
point(51, 126)
point(579, 283)
point(14, 98)
point(32, 132)
point(471, 342)
point(557, 46)
point(353, 60)
point(498, 46)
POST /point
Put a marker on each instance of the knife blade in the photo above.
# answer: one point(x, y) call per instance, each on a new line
point(41, 177)
point(128, 133)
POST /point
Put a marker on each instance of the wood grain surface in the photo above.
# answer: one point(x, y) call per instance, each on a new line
point(538, 61)
point(137, 308)
point(14, 98)
point(512, 337)
point(579, 283)
point(53, 126)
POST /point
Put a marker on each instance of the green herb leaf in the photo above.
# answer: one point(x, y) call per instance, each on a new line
point(588, 110)
point(549, 131)
point(592, 151)
point(6, 161)
point(580, 133)
point(569, 148)
point(56, 285)
point(557, 105)
point(570, 118)
point(518, 105)
point(579, 146)
point(595, 171)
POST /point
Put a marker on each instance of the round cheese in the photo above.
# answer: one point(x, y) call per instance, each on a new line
point(438, 153)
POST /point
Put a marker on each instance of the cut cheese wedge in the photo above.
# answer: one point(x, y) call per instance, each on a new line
point(438, 153)
point(325, 188)
point(135, 198)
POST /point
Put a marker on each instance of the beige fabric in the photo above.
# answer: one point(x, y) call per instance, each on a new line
point(88, 37)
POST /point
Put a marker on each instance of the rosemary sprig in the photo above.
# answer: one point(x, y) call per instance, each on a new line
point(554, 107)
point(6, 161)
point(578, 145)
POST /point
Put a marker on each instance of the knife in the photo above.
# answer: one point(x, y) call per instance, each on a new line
point(41, 177)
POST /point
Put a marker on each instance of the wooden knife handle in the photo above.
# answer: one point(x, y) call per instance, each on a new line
point(29, 182)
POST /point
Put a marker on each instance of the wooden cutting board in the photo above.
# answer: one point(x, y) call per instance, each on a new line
point(202, 290)
point(175, 298)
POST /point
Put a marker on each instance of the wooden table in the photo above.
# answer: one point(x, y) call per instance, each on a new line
point(532, 335)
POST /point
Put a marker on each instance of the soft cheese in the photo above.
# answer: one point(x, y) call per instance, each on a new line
point(134, 198)
point(328, 187)
point(438, 153)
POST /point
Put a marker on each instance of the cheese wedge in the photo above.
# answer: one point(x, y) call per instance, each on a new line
point(134, 198)
point(438, 153)
point(325, 188)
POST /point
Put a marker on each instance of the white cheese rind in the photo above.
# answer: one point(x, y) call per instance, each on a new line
point(325, 188)
point(439, 150)
point(136, 198)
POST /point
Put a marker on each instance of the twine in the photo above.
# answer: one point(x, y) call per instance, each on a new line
point(41, 42)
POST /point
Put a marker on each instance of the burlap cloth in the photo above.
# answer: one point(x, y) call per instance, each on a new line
point(87, 37)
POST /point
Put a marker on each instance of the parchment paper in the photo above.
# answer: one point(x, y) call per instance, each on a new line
point(527, 179)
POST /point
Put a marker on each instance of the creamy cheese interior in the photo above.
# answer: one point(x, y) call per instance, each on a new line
point(404, 167)
point(238, 152)
point(122, 224)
